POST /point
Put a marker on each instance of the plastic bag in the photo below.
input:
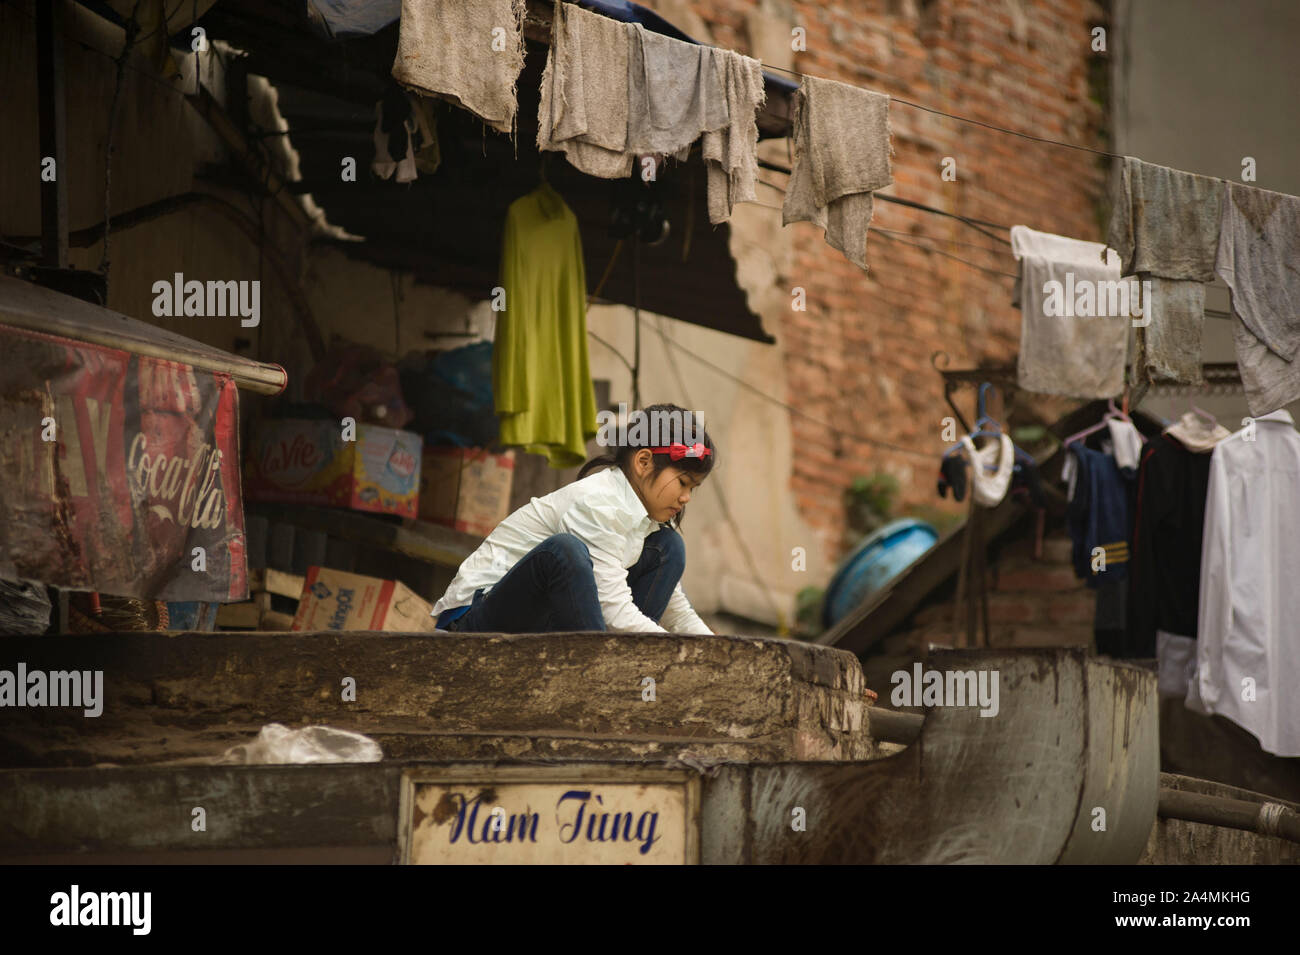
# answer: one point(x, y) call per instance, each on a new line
point(311, 744)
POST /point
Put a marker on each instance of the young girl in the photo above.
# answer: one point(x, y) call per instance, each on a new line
point(602, 553)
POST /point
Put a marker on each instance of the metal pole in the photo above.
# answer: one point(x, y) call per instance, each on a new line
point(53, 133)
point(636, 318)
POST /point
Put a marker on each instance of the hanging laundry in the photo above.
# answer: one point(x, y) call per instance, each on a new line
point(842, 154)
point(1126, 445)
point(1259, 248)
point(1196, 434)
point(731, 152)
point(1080, 357)
point(424, 145)
point(583, 111)
point(675, 93)
point(1169, 344)
point(540, 374)
point(403, 127)
point(1165, 583)
point(1248, 641)
point(470, 54)
point(1164, 224)
point(990, 487)
point(1098, 516)
point(952, 474)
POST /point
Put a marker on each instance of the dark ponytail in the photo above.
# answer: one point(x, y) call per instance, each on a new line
point(620, 455)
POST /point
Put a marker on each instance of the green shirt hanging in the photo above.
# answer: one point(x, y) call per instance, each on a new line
point(540, 376)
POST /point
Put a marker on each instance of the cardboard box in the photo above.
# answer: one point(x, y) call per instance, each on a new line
point(334, 600)
point(295, 461)
point(466, 488)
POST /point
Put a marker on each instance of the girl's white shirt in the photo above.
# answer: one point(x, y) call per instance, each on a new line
point(603, 511)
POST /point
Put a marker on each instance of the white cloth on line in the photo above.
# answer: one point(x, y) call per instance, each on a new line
point(603, 511)
point(1060, 354)
point(1248, 640)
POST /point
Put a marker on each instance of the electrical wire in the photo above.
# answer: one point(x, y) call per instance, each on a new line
point(782, 625)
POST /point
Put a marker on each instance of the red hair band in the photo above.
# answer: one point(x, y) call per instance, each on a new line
point(679, 451)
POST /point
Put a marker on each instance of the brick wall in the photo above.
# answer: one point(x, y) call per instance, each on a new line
point(859, 357)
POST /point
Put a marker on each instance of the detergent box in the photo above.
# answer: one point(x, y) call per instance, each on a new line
point(294, 461)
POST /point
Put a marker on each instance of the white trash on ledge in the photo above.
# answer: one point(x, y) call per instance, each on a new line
point(311, 744)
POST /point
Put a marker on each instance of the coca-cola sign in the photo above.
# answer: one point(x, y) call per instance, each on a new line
point(120, 472)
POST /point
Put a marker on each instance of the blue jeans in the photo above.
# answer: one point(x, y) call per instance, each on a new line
point(552, 588)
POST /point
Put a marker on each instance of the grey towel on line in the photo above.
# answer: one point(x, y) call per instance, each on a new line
point(612, 91)
point(445, 49)
point(732, 151)
point(584, 93)
point(841, 155)
point(1259, 258)
point(1165, 226)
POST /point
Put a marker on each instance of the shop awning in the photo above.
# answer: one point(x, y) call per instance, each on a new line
point(24, 305)
point(119, 459)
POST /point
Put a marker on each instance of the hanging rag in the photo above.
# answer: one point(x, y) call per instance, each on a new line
point(1060, 354)
point(675, 93)
point(990, 489)
point(731, 152)
point(1164, 224)
point(1259, 259)
point(841, 155)
point(584, 93)
point(470, 54)
point(540, 374)
point(1169, 344)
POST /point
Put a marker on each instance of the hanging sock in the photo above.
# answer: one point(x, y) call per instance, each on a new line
point(1259, 259)
point(841, 155)
point(470, 54)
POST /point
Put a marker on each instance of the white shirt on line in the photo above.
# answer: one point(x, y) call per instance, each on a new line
point(605, 513)
point(1249, 621)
